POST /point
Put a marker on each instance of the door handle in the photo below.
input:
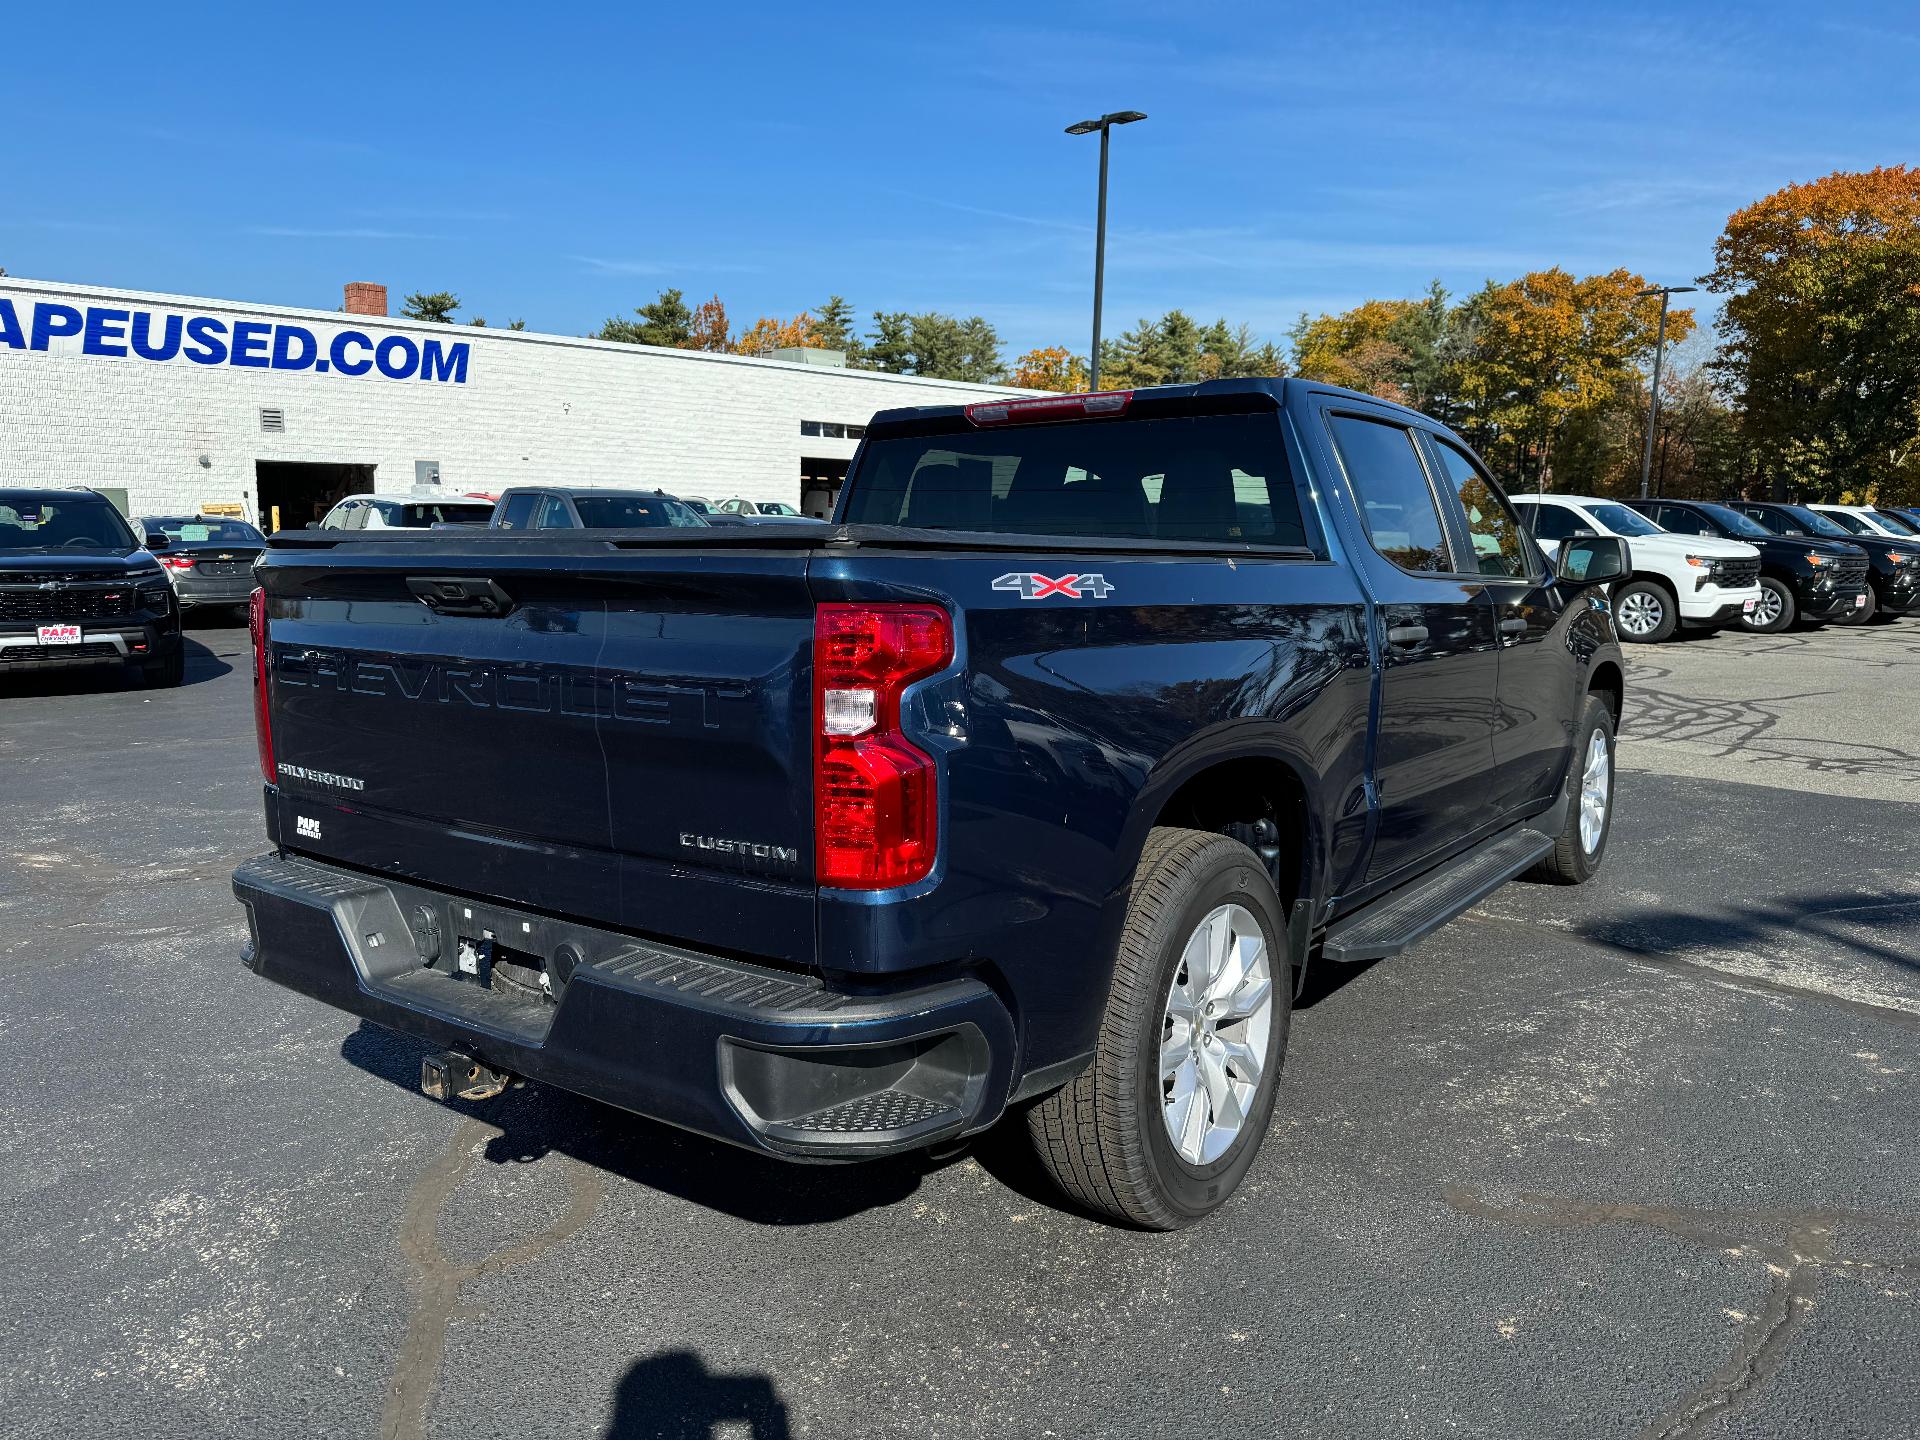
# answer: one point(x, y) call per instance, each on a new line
point(460, 595)
point(1406, 636)
point(1513, 626)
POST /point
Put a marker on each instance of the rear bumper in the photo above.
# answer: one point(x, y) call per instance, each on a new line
point(757, 1057)
point(210, 590)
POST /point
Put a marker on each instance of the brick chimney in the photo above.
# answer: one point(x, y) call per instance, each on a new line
point(365, 298)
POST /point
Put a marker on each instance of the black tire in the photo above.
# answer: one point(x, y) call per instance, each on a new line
point(1104, 1137)
point(1572, 861)
point(1776, 605)
point(1860, 614)
point(1650, 593)
point(167, 672)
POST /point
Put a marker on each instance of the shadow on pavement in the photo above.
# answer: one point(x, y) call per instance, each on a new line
point(537, 1120)
point(673, 1396)
point(1891, 922)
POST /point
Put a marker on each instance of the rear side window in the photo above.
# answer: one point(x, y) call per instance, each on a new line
point(554, 515)
point(1552, 522)
point(1201, 478)
point(1397, 504)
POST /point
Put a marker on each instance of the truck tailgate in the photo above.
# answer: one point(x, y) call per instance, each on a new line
point(619, 737)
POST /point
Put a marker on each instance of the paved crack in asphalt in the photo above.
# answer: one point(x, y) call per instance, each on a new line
point(1794, 1266)
point(440, 1280)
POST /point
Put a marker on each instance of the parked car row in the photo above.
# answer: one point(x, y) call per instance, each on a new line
point(551, 507)
point(1760, 565)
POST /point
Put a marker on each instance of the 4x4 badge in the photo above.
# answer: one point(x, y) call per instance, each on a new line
point(1039, 587)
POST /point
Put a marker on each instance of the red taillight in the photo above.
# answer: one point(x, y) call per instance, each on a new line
point(1051, 407)
point(262, 715)
point(176, 562)
point(876, 795)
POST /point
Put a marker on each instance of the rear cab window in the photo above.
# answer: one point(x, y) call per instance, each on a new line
point(1201, 479)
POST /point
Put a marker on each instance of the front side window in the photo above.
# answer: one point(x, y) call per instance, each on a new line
point(554, 515)
point(1401, 516)
point(1498, 545)
point(1682, 522)
point(1732, 522)
point(1621, 521)
point(1852, 524)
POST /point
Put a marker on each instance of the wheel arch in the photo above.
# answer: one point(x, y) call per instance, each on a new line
point(1227, 783)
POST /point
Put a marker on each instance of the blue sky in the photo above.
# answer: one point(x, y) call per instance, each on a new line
point(563, 163)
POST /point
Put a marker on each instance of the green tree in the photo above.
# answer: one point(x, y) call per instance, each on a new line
point(438, 306)
point(833, 330)
point(1820, 333)
point(665, 320)
point(891, 346)
point(1178, 350)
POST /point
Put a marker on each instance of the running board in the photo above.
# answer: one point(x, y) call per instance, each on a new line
point(1402, 917)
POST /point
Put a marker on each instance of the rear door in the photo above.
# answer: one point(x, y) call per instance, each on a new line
point(1434, 746)
point(1535, 676)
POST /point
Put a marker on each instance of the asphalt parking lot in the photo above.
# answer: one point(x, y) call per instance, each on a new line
point(1637, 1159)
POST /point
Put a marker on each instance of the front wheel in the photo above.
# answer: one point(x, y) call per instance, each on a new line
point(1165, 1123)
point(1582, 842)
point(1860, 614)
point(168, 671)
point(1644, 612)
point(1773, 611)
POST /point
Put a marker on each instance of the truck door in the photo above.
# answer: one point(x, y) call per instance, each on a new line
point(1535, 678)
point(1433, 754)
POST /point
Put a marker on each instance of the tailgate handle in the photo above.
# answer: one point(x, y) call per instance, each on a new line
point(460, 594)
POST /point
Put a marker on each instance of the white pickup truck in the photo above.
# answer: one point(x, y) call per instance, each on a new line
point(1699, 581)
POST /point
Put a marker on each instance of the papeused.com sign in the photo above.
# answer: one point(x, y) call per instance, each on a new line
point(120, 333)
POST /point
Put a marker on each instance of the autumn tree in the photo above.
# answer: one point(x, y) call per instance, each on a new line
point(1406, 351)
point(437, 305)
point(664, 321)
point(709, 328)
point(1547, 348)
point(1051, 367)
point(1820, 333)
point(769, 333)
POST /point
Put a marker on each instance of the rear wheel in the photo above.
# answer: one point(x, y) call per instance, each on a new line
point(1775, 609)
point(1644, 612)
point(1164, 1124)
point(1582, 842)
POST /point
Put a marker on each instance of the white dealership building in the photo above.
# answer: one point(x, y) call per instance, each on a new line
point(176, 404)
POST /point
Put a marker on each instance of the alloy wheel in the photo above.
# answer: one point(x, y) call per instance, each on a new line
point(1214, 1034)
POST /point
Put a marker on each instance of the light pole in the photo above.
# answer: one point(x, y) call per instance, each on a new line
point(1659, 351)
point(1087, 127)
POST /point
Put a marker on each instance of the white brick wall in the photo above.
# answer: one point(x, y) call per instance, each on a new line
point(534, 408)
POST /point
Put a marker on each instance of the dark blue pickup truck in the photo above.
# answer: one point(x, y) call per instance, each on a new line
point(1035, 782)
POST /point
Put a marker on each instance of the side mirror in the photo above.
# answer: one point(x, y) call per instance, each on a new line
point(1592, 560)
point(155, 540)
point(313, 524)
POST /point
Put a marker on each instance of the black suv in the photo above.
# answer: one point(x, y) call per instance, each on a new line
point(77, 589)
point(1893, 566)
point(1800, 578)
